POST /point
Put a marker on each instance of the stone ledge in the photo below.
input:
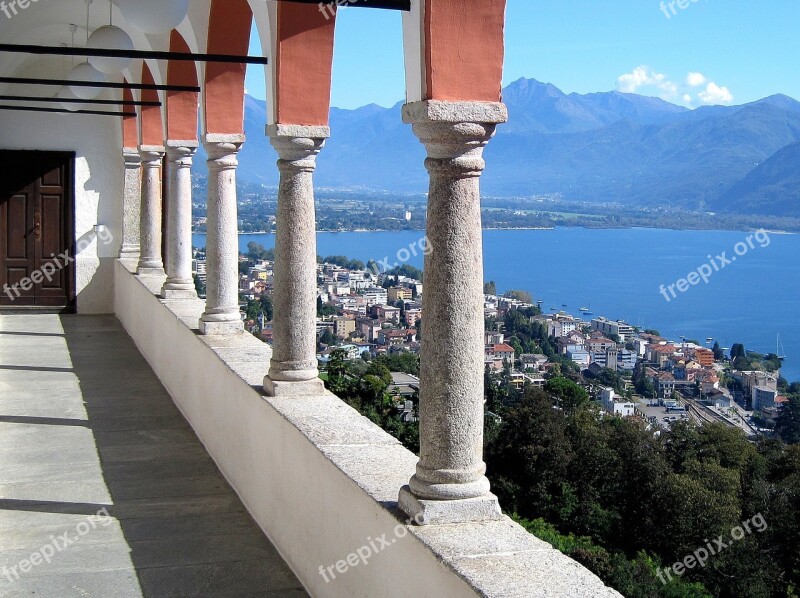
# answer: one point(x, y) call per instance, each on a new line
point(277, 454)
point(454, 112)
point(309, 131)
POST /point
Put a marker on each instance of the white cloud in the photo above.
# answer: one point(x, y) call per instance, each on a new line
point(644, 76)
point(641, 76)
point(695, 79)
point(714, 94)
point(695, 88)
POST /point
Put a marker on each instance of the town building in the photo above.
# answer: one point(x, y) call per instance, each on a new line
point(375, 296)
point(533, 361)
point(399, 294)
point(614, 406)
point(344, 326)
point(607, 327)
point(705, 357)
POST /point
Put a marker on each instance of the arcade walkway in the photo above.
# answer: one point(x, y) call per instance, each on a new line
point(87, 429)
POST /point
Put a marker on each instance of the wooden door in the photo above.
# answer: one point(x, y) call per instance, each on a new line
point(36, 229)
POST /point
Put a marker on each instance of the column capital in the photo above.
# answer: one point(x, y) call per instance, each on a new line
point(222, 154)
point(181, 152)
point(298, 145)
point(151, 154)
point(455, 133)
point(132, 158)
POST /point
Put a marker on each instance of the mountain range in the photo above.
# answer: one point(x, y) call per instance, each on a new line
point(599, 147)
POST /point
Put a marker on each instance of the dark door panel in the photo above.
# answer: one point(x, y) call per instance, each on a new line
point(36, 227)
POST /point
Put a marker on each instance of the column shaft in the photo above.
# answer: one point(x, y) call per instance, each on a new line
point(131, 204)
point(150, 261)
point(178, 261)
point(222, 239)
point(293, 368)
point(449, 485)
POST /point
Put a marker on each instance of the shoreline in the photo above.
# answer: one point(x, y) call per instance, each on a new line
point(541, 228)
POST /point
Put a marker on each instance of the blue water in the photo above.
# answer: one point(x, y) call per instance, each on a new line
point(617, 273)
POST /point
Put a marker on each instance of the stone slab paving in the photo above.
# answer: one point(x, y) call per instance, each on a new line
point(87, 429)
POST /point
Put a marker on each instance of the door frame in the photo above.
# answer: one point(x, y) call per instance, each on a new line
point(67, 159)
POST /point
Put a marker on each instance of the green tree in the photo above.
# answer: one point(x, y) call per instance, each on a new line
point(787, 424)
point(328, 337)
point(256, 252)
point(490, 288)
point(338, 373)
point(324, 309)
point(528, 464)
point(266, 308)
point(199, 286)
point(403, 361)
point(567, 394)
point(523, 296)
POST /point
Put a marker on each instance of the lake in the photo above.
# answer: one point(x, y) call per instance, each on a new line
point(750, 297)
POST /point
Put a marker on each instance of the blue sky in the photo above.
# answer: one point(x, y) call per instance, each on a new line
point(712, 51)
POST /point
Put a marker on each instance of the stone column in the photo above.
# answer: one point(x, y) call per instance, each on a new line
point(150, 227)
point(293, 368)
point(222, 239)
point(449, 485)
point(131, 204)
point(178, 261)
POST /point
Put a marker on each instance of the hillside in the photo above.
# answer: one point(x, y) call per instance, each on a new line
point(600, 147)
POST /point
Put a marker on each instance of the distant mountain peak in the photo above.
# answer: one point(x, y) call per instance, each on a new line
point(780, 100)
point(601, 147)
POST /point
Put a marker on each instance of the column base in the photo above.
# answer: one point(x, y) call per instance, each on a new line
point(221, 328)
point(130, 252)
point(148, 271)
point(178, 293)
point(438, 512)
point(305, 388)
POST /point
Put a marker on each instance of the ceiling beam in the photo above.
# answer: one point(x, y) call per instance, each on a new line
point(63, 110)
point(78, 101)
point(134, 54)
point(102, 84)
point(404, 5)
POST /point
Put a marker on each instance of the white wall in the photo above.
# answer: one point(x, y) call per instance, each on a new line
point(99, 171)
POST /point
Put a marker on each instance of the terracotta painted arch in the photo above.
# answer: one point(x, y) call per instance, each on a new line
point(304, 60)
point(130, 124)
point(152, 129)
point(229, 33)
point(181, 105)
point(464, 49)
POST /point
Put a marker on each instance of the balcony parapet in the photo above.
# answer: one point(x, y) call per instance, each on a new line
point(321, 480)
